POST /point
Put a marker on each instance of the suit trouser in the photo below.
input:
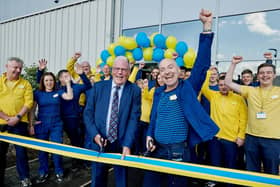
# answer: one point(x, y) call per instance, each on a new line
point(54, 133)
point(262, 150)
point(100, 171)
point(176, 152)
point(71, 125)
point(21, 154)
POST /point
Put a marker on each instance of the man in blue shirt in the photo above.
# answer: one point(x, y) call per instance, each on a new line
point(177, 119)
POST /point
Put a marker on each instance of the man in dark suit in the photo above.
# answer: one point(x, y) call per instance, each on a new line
point(111, 116)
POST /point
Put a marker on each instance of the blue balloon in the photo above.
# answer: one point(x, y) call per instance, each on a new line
point(104, 55)
point(159, 41)
point(142, 40)
point(137, 54)
point(158, 54)
point(102, 64)
point(179, 61)
point(181, 48)
point(119, 50)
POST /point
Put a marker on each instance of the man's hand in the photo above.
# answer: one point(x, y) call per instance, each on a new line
point(236, 59)
point(100, 141)
point(13, 121)
point(268, 55)
point(150, 144)
point(206, 18)
point(77, 55)
point(145, 83)
point(42, 64)
point(239, 142)
point(31, 130)
point(126, 151)
point(78, 69)
point(174, 55)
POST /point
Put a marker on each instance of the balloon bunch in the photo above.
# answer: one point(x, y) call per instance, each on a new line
point(150, 48)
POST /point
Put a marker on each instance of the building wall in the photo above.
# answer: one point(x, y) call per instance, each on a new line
point(56, 34)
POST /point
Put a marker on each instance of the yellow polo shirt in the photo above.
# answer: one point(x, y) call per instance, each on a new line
point(14, 97)
point(268, 127)
point(228, 112)
point(146, 104)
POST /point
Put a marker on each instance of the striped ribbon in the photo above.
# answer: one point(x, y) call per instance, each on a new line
point(178, 168)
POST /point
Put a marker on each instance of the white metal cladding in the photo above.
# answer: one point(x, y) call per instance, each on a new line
point(56, 34)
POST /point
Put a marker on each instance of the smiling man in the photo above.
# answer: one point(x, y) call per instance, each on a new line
point(178, 121)
point(262, 142)
point(16, 98)
point(111, 116)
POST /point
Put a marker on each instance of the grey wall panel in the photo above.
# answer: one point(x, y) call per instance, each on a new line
point(55, 35)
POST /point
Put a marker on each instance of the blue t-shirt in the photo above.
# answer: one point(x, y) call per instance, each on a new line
point(171, 126)
point(48, 104)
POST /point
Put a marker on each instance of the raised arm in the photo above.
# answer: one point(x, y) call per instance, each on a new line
point(203, 59)
point(41, 68)
point(68, 95)
point(70, 66)
point(228, 80)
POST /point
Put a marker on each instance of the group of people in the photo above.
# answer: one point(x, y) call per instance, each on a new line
point(177, 115)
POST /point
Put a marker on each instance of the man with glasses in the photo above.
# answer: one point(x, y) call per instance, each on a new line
point(111, 116)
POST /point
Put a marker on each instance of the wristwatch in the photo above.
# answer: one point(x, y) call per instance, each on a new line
point(19, 116)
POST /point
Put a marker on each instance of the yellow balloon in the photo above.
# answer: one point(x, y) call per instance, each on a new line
point(129, 43)
point(98, 62)
point(171, 42)
point(169, 53)
point(152, 38)
point(110, 60)
point(111, 48)
point(121, 40)
point(189, 58)
point(148, 53)
point(129, 56)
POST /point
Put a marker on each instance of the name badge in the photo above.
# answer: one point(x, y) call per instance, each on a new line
point(55, 95)
point(21, 86)
point(173, 97)
point(261, 115)
point(274, 97)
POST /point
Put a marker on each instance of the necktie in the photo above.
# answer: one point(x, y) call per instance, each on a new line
point(114, 118)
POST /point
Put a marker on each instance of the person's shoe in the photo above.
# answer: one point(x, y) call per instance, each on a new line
point(210, 184)
point(59, 178)
point(26, 182)
point(42, 178)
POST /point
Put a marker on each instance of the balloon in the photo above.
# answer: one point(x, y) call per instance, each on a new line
point(98, 62)
point(189, 58)
point(110, 61)
point(142, 39)
point(159, 41)
point(119, 50)
point(152, 38)
point(129, 56)
point(181, 48)
point(104, 55)
point(102, 64)
point(171, 42)
point(129, 43)
point(148, 54)
point(169, 53)
point(121, 40)
point(179, 61)
point(111, 48)
point(158, 54)
point(137, 54)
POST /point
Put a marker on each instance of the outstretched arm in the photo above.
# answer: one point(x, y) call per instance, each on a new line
point(228, 80)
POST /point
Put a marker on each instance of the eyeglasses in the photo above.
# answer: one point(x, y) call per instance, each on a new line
point(119, 69)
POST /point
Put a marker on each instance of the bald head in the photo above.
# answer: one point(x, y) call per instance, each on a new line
point(169, 72)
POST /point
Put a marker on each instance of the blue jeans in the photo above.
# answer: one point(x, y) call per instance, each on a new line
point(223, 153)
point(262, 150)
point(21, 154)
point(52, 132)
point(176, 152)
